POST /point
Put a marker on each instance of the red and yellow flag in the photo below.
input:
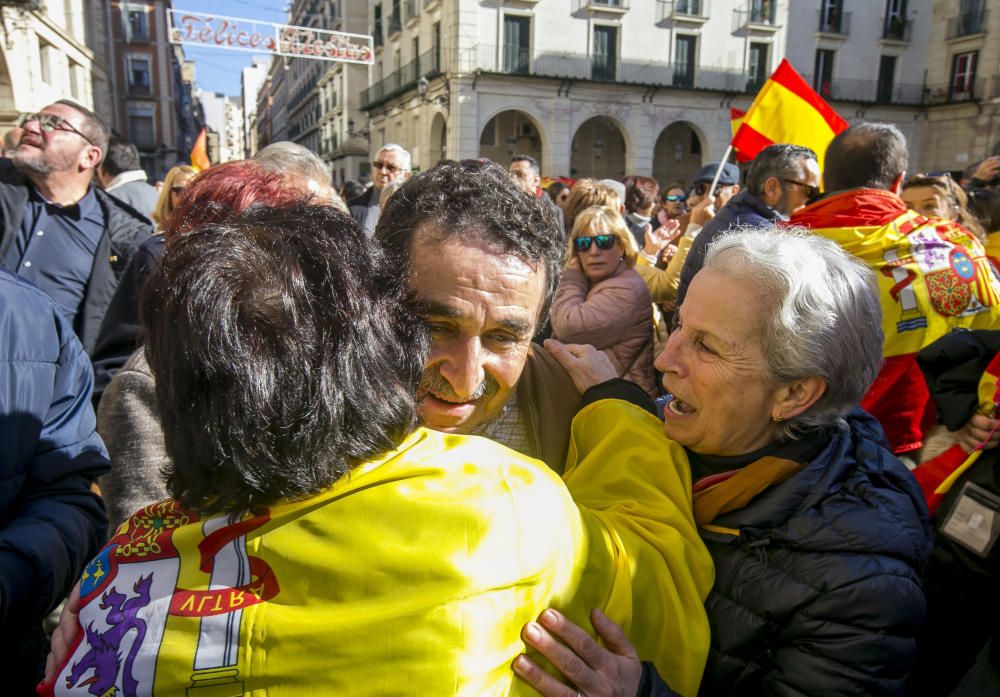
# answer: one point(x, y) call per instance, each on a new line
point(787, 110)
point(199, 153)
point(736, 119)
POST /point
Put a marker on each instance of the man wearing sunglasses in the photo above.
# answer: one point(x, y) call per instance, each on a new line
point(781, 179)
point(57, 230)
point(391, 163)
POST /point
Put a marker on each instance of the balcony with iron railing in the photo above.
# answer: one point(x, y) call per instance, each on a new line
point(616, 6)
point(833, 23)
point(394, 25)
point(682, 11)
point(411, 9)
point(970, 21)
point(896, 28)
point(377, 38)
point(970, 90)
point(401, 80)
point(869, 91)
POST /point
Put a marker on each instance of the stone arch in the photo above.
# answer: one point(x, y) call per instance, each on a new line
point(510, 131)
point(438, 144)
point(680, 150)
point(599, 149)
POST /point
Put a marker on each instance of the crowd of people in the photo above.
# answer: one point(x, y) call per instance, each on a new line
point(454, 433)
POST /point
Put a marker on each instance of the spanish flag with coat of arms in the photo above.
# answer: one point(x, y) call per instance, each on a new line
point(933, 276)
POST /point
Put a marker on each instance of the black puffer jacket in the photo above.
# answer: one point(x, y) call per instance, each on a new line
point(817, 588)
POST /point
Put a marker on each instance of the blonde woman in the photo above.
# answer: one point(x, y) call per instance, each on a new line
point(601, 299)
point(170, 195)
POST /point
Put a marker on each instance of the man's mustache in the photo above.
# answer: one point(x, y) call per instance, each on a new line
point(434, 382)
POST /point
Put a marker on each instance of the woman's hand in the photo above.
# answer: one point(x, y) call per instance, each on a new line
point(586, 365)
point(64, 634)
point(978, 429)
point(659, 238)
point(594, 670)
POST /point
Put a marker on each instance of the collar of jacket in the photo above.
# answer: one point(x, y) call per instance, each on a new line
point(853, 208)
point(744, 200)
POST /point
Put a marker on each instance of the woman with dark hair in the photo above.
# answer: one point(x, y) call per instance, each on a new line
point(936, 195)
point(319, 542)
point(127, 417)
point(641, 196)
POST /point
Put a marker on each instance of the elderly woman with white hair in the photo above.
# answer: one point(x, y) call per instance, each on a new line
point(817, 531)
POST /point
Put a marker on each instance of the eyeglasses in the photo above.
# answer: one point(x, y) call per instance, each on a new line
point(177, 190)
point(51, 122)
point(811, 191)
point(391, 169)
point(582, 244)
point(701, 189)
point(675, 197)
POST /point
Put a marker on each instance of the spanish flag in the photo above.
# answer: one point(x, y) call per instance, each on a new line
point(735, 121)
point(932, 277)
point(199, 153)
point(787, 110)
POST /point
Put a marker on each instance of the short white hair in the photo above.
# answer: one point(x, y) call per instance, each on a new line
point(403, 153)
point(286, 157)
point(825, 317)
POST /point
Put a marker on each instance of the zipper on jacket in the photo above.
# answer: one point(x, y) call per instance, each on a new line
point(755, 542)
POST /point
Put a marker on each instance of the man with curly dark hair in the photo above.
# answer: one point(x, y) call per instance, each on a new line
point(483, 260)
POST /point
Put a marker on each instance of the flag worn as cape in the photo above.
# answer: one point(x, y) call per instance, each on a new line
point(932, 275)
point(787, 110)
point(199, 153)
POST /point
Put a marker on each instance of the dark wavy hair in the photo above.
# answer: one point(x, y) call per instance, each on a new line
point(640, 193)
point(285, 353)
point(479, 199)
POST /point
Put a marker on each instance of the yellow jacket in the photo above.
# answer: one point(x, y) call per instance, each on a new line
point(411, 576)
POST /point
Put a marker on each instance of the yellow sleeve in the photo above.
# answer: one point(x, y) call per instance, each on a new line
point(633, 488)
point(663, 283)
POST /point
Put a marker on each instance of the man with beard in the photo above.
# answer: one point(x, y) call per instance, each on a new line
point(483, 260)
point(57, 230)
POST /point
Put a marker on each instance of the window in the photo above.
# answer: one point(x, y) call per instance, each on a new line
point(823, 74)
point(436, 44)
point(377, 25)
point(829, 17)
point(762, 11)
point(963, 75)
point(140, 126)
point(46, 57)
point(395, 19)
point(76, 86)
point(886, 75)
point(138, 75)
point(136, 23)
point(895, 20)
point(688, 7)
point(684, 60)
point(757, 70)
point(605, 60)
point(516, 44)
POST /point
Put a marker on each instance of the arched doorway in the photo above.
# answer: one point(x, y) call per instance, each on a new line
point(677, 155)
point(438, 141)
point(598, 150)
point(508, 133)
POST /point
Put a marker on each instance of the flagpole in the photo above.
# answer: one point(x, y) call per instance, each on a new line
point(718, 171)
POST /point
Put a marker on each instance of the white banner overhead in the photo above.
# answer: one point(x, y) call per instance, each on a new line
point(237, 34)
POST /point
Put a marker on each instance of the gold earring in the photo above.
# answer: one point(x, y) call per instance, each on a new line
point(777, 419)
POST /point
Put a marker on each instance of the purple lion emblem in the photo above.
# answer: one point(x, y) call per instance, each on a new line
point(103, 655)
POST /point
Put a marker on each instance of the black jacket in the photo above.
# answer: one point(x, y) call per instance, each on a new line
point(743, 209)
point(125, 229)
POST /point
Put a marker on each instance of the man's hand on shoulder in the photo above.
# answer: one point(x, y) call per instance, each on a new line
point(585, 365)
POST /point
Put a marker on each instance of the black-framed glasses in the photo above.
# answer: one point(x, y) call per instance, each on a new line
point(811, 191)
point(701, 189)
point(177, 190)
point(582, 244)
point(391, 169)
point(51, 122)
point(675, 197)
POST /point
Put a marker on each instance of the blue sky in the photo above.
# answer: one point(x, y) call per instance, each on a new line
point(219, 69)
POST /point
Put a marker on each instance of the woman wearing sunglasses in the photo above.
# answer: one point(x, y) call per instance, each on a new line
point(601, 299)
point(170, 195)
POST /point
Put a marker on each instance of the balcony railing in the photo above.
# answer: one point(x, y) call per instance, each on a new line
point(834, 22)
point(139, 89)
point(758, 15)
point(868, 91)
point(680, 10)
point(401, 80)
point(949, 93)
point(971, 21)
point(395, 24)
point(377, 37)
point(896, 28)
point(516, 60)
point(613, 5)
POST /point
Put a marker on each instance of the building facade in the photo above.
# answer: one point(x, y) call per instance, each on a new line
point(44, 56)
point(251, 81)
point(608, 88)
point(962, 121)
